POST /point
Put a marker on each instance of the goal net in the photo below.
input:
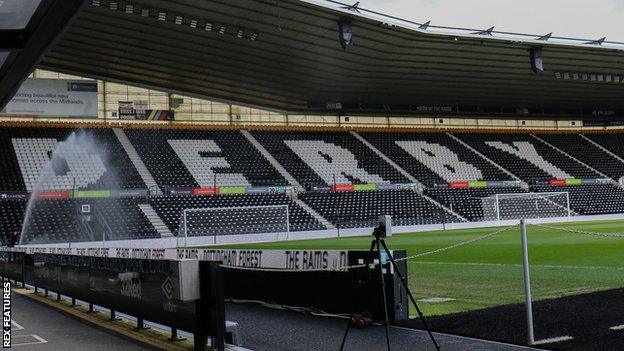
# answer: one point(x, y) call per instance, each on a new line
point(526, 206)
point(234, 220)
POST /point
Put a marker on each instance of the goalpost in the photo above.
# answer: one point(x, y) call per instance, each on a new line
point(219, 221)
point(526, 206)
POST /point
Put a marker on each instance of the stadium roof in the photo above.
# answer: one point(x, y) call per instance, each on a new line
point(286, 55)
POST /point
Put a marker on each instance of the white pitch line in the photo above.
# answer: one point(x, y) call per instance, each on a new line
point(617, 327)
point(553, 340)
point(16, 326)
point(39, 339)
point(519, 265)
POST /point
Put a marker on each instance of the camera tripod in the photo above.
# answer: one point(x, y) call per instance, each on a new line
point(377, 245)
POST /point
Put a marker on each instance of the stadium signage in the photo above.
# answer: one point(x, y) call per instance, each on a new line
point(276, 259)
point(478, 184)
point(55, 98)
point(576, 181)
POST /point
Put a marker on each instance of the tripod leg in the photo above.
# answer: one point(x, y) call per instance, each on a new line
point(383, 291)
point(409, 293)
point(346, 333)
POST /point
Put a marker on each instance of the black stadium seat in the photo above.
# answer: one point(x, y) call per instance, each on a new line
point(178, 158)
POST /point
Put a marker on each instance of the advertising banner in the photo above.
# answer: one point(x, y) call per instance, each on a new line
point(55, 98)
point(126, 110)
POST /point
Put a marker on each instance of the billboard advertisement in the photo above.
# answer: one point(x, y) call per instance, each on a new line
point(55, 98)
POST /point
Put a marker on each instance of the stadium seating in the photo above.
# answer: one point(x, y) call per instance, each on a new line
point(184, 158)
point(11, 214)
point(62, 220)
point(586, 152)
point(26, 150)
point(327, 158)
point(591, 199)
point(94, 158)
point(170, 208)
point(526, 157)
point(362, 209)
point(434, 158)
point(612, 143)
point(469, 203)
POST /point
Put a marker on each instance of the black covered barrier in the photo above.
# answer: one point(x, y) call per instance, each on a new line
point(339, 292)
point(145, 289)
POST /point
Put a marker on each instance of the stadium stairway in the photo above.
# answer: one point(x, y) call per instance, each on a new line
point(314, 214)
point(291, 180)
point(136, 161)
point(156, 221)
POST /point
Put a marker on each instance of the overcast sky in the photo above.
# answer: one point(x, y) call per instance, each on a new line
point(576, 18)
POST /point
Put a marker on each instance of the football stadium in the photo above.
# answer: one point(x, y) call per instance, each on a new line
point(305, 175)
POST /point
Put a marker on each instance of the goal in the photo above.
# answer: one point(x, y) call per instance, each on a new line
point(526, 206)
point(234, 220)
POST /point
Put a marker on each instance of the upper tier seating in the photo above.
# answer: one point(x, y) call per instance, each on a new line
point(468, 202)
point(591, 199)
point(184, 158)
point(434, 158)
point(586, 152)
point(90, 159)
point(327, 158)
point(526, 157)
point(170, 208)
point(362, 209)
point(613, 143)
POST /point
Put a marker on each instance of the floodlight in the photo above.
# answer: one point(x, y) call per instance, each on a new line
point(345, 31)
point(208, 26)
point(537, 63)
point(113, 5)
point(162, 15)
point(193, 24)
point(178, 20)
point(129, 8)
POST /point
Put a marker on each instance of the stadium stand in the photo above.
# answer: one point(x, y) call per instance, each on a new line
point(61, 220)
point(591, 199)
point(327, 158)
point(11, 215)
point(434, 158)
point(362, 209)
point(526, 157)
point(26, 150)
point(583, 150)
point(182, 158)
point(194, 157)
point(612, 143)
point(469, 202)
point(170, 208)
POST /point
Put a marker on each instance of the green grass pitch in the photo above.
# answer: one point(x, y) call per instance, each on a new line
point(489, 272)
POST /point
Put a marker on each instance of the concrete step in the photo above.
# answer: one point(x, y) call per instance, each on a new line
point(145, 174)
point(291, 180)
point(155, 220)
point(314, 214)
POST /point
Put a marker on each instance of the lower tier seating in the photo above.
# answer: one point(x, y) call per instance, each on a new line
point(53, 221)
point(170, 208)
point(469, 203)
point(11, 214)
point(591, 199)
point(362, 209)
